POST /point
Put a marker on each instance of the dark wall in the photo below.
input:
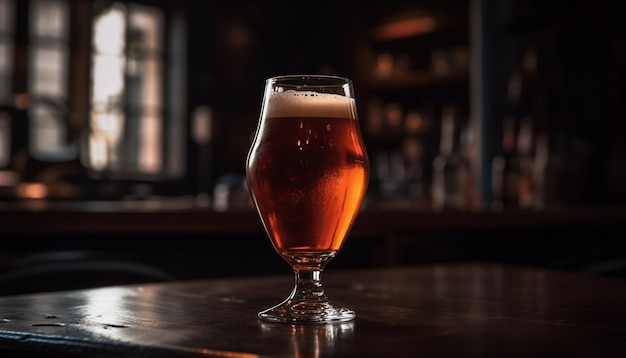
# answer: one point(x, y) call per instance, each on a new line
point(234, 46)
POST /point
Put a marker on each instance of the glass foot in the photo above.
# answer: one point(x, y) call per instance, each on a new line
point(307, 303)
point(307, 312)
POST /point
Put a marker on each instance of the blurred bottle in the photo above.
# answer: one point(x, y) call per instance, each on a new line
point(451, 170)
point(504, 171)
point(202, 133)
point(524, 161)
point(393, 120)
point(548, 173)
point(513, 174)
point(416, 127)
point(390, 173)
point(412, 150)
point(374, 118)
point(231, 193)
point(468, 152)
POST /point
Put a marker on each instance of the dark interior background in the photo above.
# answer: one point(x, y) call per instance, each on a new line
point(233, 46)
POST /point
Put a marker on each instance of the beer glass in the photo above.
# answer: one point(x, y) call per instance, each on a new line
point(307, 172)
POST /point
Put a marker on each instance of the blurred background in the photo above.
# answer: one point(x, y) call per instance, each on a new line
point(495, 129)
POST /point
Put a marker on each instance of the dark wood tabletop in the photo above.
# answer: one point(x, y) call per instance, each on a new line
point(447, 310)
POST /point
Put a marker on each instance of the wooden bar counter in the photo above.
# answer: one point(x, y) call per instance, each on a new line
point(181, 217)
point(454, 310)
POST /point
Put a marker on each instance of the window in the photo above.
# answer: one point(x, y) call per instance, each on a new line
point(130, 131)
point(48, 77)
point(124, 83)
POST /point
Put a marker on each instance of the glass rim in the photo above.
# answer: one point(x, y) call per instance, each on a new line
point(339, 80)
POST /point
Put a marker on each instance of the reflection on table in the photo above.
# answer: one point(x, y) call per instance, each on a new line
point(470, 310)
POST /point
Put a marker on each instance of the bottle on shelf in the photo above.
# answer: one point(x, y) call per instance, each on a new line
point(525, 161)
point(504, 170)
point(412, 150)
point(451, 170)
point(545, 173)
point(513, 172)
point(468, 153)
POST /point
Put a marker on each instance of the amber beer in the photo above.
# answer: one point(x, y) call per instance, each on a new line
point(308, 171)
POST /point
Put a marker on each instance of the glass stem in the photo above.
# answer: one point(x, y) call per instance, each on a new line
point(308, 301)
point(308, 285)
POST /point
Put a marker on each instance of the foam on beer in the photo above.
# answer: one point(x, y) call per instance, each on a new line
point(309, 104)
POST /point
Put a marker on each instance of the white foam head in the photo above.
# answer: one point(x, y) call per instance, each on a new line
point(309, 104)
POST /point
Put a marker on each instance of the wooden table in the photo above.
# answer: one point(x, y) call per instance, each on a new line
point(460, 310)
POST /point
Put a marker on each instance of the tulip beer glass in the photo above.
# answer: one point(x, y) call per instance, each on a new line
point(307, 171)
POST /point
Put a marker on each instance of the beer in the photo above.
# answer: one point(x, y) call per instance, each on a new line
point(307, 170)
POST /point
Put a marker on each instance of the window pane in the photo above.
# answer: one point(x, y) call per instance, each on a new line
point(5, 56)
point(144, 84)
point(6, 16)
point(109, 31)
point(6, 49)
point(48, 129)
point(5, 71)
point(48, 75)
point(108, 81)
point(49, 66)
point(98, 151)
point(49, 18)
point(106, 146)
point(150, 144)
point(145, 27)
point(127, 78)
point(104, 141)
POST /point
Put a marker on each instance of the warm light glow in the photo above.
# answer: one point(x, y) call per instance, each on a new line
point(384, 64)
point(414, 122)
point(405, 28)
point(394, 114)
point(201, 120)
point(8, 178)
point(32, 190)
point(22, 101)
